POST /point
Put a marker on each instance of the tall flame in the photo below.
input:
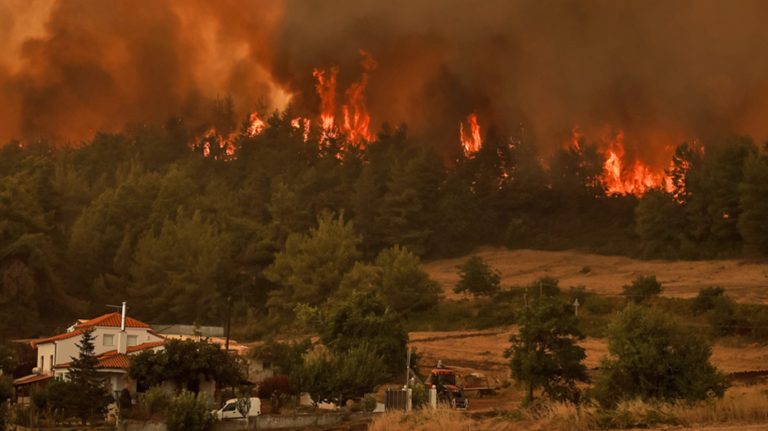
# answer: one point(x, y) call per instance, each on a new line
point(470, 138)
point(622, 178)
point(355, 119)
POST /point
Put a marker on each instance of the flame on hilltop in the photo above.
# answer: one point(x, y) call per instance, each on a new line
point(355, 118)
point(621, 177)
point(470, 136)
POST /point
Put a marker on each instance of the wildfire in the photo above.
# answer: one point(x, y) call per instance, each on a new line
point(470, 136)
point(257, 125)
point(622, 178)
point(355, 119)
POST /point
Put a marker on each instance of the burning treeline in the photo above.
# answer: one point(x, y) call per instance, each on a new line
point(654, 73)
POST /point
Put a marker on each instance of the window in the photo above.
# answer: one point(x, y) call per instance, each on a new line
point(133, 340)
point(229, 407)
point(109, 340)
point(42, 363)
point(51, 362)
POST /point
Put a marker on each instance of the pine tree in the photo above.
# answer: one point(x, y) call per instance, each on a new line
point(545, 354)
point(89, 397)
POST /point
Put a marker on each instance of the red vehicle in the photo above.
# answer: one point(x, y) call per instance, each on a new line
point(448, 391)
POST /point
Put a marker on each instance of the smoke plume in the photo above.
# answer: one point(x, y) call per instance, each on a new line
point(660, 71)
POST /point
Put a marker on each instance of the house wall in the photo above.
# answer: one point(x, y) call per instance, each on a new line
point(67, 349)
point(45, 351)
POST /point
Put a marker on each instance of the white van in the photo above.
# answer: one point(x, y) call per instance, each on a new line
point(229, 410)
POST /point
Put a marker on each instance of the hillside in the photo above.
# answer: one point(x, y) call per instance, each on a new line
point(745, 281)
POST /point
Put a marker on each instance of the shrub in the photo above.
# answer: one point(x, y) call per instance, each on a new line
point(187, 412)
point(154, 402)
point(419, 396)
point(706, 298)
point(654, 357)
point(642, 288)
point(478, 278)
point(369, 403)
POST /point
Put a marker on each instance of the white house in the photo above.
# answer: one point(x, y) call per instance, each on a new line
point(116, 338)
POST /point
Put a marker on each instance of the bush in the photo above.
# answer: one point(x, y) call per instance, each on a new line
point(478, 278)
point(277, 384)
point(187, 412)
point(369, 403)
point(642, 288)
point(545, 286)
point(706, 299)
point(154, 402)
point(653, 357)
point(419, 396)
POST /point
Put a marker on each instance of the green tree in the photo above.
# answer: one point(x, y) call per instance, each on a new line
point(655, 357)
point(707, 298)
point(642, 288)
point(753, 202)
point(339, 376)
point(183, 272)
point(477, 278)
point(311, 266)
point(660, 224)
point(189, 412)
point(364, 319)
point(88, 395)
point(184, 363)
point(404, 285)
point(545, 353)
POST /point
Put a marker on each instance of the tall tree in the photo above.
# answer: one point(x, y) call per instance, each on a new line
point(753, 203)
point(311, 266)
point(545, 353)
point(88, 398)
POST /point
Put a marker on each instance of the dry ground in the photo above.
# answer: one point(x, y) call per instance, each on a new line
point(745, 281)
point(483, 352)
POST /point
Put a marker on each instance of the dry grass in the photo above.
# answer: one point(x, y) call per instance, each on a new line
point(483, 351)
point(740, 407)
point(744, 280)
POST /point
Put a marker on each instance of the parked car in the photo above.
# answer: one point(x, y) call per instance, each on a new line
point(229, 409)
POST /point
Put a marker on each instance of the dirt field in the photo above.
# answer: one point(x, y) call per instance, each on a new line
point(483, 352)
point(745, 281)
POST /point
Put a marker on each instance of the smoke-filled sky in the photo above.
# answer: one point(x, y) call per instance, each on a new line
point(661, 71)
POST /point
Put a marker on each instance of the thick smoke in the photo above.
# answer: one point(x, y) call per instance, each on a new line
point(660, 71)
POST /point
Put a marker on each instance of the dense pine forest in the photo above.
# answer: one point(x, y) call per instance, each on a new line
point(188, 228)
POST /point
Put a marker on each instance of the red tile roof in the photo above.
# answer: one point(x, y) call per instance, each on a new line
point(144, 346)
point(113, 320)
point(63, 336)
point(112, 359)
point(32, 378)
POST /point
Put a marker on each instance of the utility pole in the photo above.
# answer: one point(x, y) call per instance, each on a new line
point(229, 322)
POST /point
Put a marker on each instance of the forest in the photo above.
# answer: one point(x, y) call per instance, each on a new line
point(191, 227)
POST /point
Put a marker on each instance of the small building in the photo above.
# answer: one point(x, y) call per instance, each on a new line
point(115, 336)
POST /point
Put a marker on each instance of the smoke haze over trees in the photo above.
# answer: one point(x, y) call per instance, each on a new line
point(140, 172)
point(662, 72)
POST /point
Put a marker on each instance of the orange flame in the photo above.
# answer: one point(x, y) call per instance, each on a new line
point(355, 119)
point(257, 125)
point(470, 139)
point(622, 178)
point(326, 89)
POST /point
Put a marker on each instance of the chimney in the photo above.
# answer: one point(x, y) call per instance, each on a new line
point(122, 337)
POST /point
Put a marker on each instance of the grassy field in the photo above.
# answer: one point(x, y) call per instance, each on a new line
point(745, 281)
point(742, 408)
point(483, 352)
